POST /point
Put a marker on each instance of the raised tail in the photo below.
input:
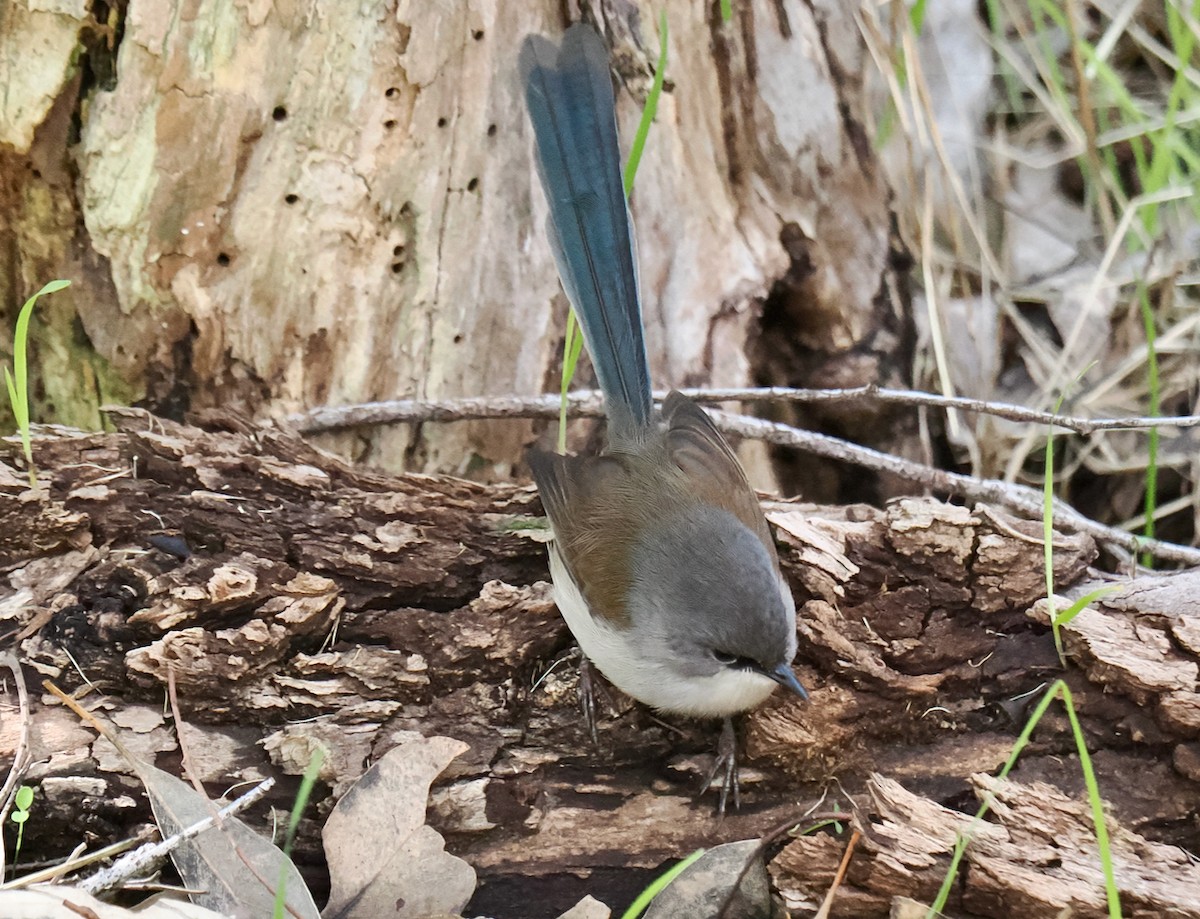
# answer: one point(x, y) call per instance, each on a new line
point(568, 91)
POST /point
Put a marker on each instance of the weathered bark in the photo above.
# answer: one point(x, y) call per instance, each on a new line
point(299, 600)
point(277, 206)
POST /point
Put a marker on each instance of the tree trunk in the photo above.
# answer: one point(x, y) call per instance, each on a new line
point(299, 600)
point(289, 205)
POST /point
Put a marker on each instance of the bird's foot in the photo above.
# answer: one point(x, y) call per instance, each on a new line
point(589, 688)
point(725, 765)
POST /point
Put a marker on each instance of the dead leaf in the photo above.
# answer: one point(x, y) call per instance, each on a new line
point(234, 870)
point(383, 859)
point(212, 862)
point(54, 901)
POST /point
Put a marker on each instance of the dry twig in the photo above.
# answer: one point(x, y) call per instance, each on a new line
point(137, 861)
point(1015, 497)
point(589, 404)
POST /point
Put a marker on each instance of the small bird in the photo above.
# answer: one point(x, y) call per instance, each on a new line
point(663, 566)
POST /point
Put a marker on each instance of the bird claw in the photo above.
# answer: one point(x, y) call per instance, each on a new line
point(587, 697)
point(726, 764)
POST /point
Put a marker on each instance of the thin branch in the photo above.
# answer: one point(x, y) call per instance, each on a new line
point(839, 877)
point(1023, 500)
point(1015, 497)
point(78, 859)
point(185, 759)
point(136, 862)
point(589, 404)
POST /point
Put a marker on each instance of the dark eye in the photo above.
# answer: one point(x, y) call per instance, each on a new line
point(722, 658)
point(726, 659)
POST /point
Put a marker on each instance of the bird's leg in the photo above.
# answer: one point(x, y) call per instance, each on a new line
point(725, 764)
point(587, 696)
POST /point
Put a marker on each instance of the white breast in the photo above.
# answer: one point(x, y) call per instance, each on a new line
point(648, 679)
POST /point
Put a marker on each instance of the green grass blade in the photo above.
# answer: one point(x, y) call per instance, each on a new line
point(1048, 511)
point(658, 885)
point(648, 112)
point(18, 381)
point(1103, 844)
point(1048, 527)
point(1181, 145)
point(1061, 619)
point(960, 848)
point(21, 341)
point(1058, 688)
point(916, 16)
point(1155, 392)
point(20, 410)
point(307, 781)
point(572, 348)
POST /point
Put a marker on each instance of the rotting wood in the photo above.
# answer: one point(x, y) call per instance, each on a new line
point(1035, 858)
point(300, 600)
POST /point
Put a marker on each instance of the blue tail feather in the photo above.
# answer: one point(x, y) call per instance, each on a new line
point(568, 92)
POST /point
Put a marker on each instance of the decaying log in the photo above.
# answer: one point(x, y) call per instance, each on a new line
point(298, 600)
point(1037, 860)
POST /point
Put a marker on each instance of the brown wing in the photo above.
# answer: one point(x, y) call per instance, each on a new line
point(591, 503)
point(712, 470)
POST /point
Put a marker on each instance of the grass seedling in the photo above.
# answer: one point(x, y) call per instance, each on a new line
point(1155, 396)
point(309, 779)
point(573, 343)
point(1048, 530)
point(572, 348)
point(838, 827)
point(1100, 111)
point(1058, 619)
point(888, 120)
point(650, 109)
point(20, 816)
point(658, 885)
point(18, 380)
point(1059, 688)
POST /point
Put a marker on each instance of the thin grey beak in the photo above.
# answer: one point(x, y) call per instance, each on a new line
point(784, 676)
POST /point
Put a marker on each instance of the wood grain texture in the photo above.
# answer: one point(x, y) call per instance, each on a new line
point(320, 602)
point(266, 212)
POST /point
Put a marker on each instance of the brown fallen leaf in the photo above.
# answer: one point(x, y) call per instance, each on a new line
point(230, 868)
point(383, 859)
point(54, 901)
